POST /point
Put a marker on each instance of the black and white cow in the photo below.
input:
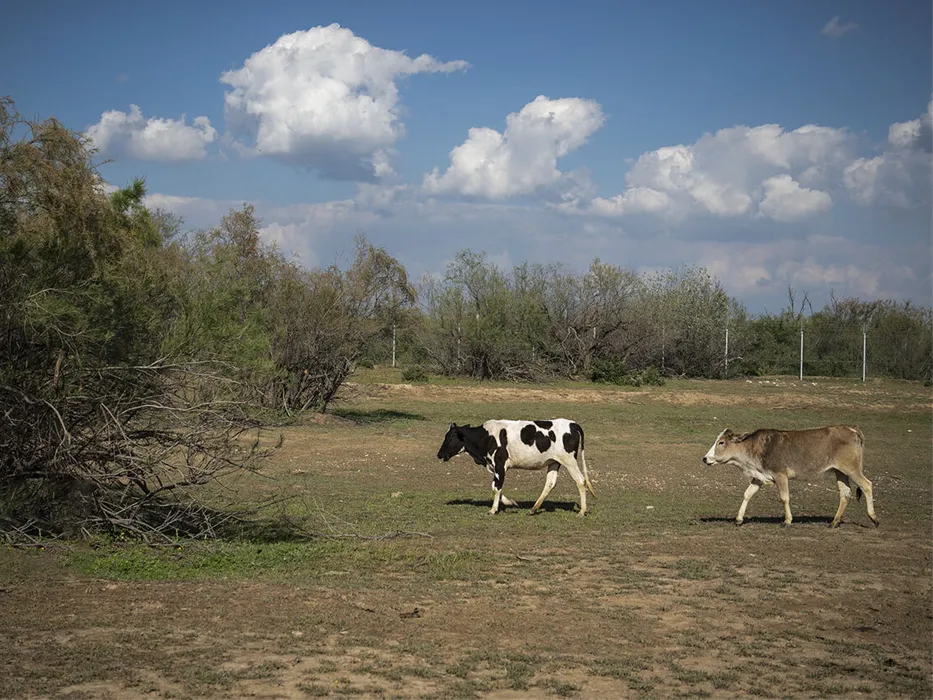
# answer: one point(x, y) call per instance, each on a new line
point(500, 445)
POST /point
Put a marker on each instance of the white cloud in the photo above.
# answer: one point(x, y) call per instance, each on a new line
point(727, 174)
point(324, 98)
point(834, 29)
point(808, 274)
point(785, 200)
point(633, 200)
point(915, 135)
point(817, 265)
point(900, 176)
point(122, 134)
point(523, 159)
point(298, 229)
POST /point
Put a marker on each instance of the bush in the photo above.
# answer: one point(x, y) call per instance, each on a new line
point(608, 371)
point(652, 377)
point(614, 371)
point(415, 374)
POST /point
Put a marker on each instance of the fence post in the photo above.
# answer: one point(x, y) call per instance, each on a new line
point(458, 346)
point(663, 341)
point(801, 353)
point(864, 353)
point(727, 349)
point(393, 345)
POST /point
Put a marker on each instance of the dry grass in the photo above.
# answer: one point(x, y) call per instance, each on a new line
point(654, 594)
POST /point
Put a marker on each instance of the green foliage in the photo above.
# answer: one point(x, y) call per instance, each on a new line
point(415, 374)
point(98, 421)
point(614, 371)
point(609, 371)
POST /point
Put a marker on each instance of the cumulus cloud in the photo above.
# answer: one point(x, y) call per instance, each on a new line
point(900, 176)
point(131, 135)
point(785, 200)
point(817, 265)
point(522, 159)
point(835, 29)
point(732, 173)
point(809, 274)
point(324, 98)
point(634, 200)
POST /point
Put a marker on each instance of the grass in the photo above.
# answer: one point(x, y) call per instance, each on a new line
point(654, 594)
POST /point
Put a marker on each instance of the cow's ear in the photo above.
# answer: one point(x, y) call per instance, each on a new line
point(452, 426)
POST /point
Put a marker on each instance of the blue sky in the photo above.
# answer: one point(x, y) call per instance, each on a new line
point(775, 143)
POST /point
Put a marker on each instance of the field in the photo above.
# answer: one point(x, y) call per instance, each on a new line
point(409, 589)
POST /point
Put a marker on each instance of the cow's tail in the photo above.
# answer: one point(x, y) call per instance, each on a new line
point(586, 476)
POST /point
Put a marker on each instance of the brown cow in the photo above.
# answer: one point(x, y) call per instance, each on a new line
point(774, 456)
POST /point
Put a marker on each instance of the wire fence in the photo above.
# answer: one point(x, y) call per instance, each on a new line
point(813, 348)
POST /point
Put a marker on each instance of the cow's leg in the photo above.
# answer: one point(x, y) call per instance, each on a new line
point(586, 477)
point(863, 483)
point(506, 501)
point(498, 479)
point(749, 492)
point(842, 481)
point(549, 480)
point(780, 479)
point(578, 479)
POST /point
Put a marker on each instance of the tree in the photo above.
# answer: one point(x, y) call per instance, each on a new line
point(98, 429)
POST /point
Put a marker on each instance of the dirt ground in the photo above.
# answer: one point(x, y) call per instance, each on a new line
point(654, 594)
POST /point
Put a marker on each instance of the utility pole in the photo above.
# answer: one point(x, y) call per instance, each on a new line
point(393, 345)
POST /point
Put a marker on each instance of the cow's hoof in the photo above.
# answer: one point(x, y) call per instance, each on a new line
point(532, 512)
point(786, 523)
point(834, 524)
point(739, 523)
point(581, 515)
point(875, 521)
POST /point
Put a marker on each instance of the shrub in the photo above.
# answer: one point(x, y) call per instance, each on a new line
point(652, 377)
point(608, 371)
point(415, 374)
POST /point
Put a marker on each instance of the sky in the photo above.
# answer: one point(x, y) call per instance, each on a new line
point(777, 143)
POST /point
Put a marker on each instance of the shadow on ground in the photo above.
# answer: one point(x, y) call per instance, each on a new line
point(547, 507)
point(379, 415)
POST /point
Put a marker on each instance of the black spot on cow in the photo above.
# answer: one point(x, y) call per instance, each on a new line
point(550, 434)
point(499, 459)
point(489, 447)
point(573, 441)
point(528, 434)
point(544, 424)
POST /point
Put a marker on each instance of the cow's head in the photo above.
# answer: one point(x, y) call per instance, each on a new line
point(723, 449)
point(453, 443)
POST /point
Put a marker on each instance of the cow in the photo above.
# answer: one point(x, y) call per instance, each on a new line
point(500, 445)
point(774, 456)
